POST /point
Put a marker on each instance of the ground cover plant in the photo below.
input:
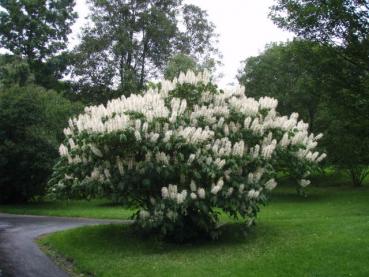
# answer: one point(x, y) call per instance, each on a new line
point(324, 234)
point(183, 151)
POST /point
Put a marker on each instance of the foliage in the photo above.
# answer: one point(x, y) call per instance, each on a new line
point(304, 76)
point(294, 73)
point(37, 31)
point(30, 120)
point(347, 142)
point(181, 152)
point(129, 42)
point(14, 71)
point(343, 26)
point(183, 63)
point(179, 63)
point(342, 23)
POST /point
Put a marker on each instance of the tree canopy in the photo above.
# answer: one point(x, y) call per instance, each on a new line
point(182, 63)
point(341, 23)
point(36, 32)
point(292, 72)
point(130, 41)
point(342, 26)
point(324, 88)
point(35, 29)
point(14, 71)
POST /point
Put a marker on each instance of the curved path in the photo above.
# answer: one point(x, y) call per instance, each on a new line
point(20, 255)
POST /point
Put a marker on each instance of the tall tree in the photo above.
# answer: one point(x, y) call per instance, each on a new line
point(292, 72)
point(344, 26)
point(37, 31)
point(130, 41)
point(341, 23)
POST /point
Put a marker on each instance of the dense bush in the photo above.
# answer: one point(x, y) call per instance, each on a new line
point(182, 153)
point(30, 122)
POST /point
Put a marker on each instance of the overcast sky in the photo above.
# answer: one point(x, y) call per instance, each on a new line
point(243, 26)
point(244, 29)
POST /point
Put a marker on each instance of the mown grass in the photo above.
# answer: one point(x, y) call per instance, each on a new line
point(325, 234)
point(102, 209)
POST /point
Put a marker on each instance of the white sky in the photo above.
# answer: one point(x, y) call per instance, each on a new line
point(243, 27)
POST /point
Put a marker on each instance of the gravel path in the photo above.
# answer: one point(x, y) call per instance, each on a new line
point(20, 255)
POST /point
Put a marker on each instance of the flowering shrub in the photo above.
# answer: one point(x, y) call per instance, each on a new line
point(182, 152)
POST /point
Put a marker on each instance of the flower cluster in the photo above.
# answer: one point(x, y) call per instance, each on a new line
point(181, 150)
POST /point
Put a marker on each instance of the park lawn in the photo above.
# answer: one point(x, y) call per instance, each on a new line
point(102, 209)
point(325, 234)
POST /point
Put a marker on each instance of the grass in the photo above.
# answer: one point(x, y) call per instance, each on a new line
point(102, 209)
point(325, 234)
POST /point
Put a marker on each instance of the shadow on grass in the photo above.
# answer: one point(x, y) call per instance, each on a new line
point(110, 204)
point(126, 242)
point(294, 197)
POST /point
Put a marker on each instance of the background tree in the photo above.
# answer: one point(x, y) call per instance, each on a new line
point(342, 25)
point(291, 72)
point(179, 63)
point(14, 71)
point(130, 41)
point(303, 76)
point(37, 31)
point(199, 38)
point(183, 63)
point(31, 123)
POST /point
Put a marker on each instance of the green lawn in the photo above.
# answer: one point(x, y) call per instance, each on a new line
point(325, 234)
point(88, 209)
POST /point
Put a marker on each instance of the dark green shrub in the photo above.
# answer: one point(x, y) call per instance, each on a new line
point(31, 120)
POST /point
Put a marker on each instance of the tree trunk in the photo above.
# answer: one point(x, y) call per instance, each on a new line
point(311, 112)
point(142, 75)
point(121, 70)
point(358, 176)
